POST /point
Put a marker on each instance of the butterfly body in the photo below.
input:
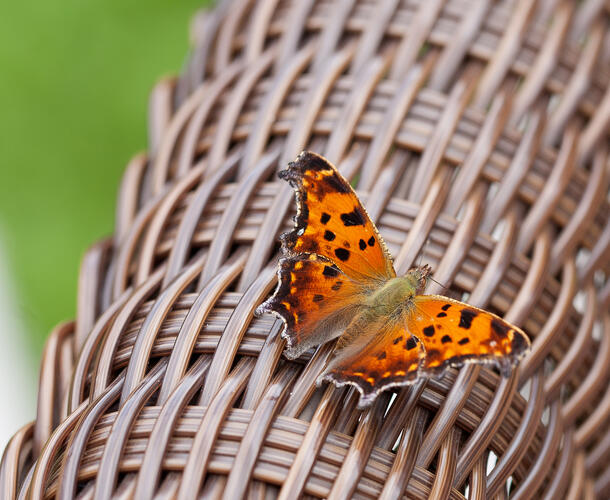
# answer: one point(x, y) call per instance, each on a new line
point(336, 280)
point(394, 297)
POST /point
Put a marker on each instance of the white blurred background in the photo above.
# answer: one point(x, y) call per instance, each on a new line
point(18, 371)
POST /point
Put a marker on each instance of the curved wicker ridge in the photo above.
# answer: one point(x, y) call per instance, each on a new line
point(477, 132)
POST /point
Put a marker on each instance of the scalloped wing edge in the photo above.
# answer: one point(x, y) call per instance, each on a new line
point(367, 398)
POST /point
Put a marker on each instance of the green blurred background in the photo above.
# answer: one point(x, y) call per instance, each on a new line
point(74, 86)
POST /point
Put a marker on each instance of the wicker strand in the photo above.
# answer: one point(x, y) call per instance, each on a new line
point(477, 134)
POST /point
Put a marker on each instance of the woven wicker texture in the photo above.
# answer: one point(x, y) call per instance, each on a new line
point(477, 134)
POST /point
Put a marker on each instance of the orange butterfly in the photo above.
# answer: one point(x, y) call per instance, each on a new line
point(337, 280)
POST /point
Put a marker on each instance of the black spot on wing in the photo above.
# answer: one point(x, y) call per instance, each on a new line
point(429, 331)
point(342, 254)
point(441, 315)
point(445, 339)
point(337, 184)
point(381, 356)
point(463, 341)
point(325, 218)
point(329, 235)
point(353, 218)
point(466, 317)
point(499, 327)
point(519, 342)
point(371, 241)
point(411, 343)
point(330, 271)
point(446, 307)
point(336, 286)
point(397, 339)
point(362, 244)
point(318, 298)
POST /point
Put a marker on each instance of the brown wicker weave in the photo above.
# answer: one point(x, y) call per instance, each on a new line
point(478, 133)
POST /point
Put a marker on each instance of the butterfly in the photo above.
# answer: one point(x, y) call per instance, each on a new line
point(336, 279)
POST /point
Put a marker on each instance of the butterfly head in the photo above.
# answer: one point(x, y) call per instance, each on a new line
point(418, 276)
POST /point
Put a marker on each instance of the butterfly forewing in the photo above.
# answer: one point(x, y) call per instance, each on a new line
point(332, 222)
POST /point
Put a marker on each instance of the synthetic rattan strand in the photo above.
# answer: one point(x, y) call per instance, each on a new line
point(476, 133)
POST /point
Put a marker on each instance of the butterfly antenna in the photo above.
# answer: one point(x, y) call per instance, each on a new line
point(445, 288)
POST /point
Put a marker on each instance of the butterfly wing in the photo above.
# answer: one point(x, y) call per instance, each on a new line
point(332, 222)
point(314, 299)
point(374, 356)
point(454, 333)
point(435, 333)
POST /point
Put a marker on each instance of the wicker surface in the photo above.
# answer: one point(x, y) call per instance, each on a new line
point(478, 136)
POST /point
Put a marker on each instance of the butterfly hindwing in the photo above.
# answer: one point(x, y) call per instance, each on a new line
point(454, 333)
point(374, 356)
point(314, 299)
point(332, 222)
